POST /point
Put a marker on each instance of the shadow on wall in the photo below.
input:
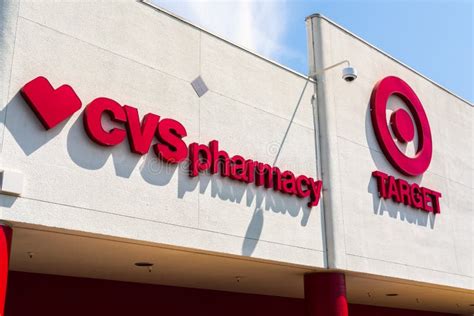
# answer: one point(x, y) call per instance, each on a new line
point(264, 200)
point(88, 155)
point(7, 200)
point(30, 135)
point(25, 128)
point(380, 206)
point(395, 210)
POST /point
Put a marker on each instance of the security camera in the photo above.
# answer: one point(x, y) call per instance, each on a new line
point(349, 74)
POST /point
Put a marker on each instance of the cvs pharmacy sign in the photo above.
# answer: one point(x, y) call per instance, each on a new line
point(166, 137)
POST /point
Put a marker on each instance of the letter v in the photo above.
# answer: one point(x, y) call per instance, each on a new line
point(140, 135)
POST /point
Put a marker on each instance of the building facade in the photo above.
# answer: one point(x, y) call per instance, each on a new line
point(150, 166)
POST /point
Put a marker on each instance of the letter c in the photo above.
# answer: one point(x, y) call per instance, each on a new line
point(300, 181)
point(93, 121)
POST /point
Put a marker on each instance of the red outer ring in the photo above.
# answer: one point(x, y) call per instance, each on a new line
point(378, 104)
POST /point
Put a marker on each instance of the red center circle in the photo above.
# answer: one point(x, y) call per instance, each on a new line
point(402, 126)
point(386, 87)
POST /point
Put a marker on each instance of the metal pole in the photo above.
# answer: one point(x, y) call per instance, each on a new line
point(317, 138)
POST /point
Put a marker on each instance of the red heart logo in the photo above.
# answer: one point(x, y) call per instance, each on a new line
point(51, 106)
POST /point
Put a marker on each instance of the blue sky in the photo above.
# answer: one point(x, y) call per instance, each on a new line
point(434, 37)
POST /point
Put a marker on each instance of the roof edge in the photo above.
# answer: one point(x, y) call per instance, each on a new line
point(320, 16)
point(314, 15)
point(177, 17)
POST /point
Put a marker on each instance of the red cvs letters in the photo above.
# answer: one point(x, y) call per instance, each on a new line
point(125, 123)
point(140, 135)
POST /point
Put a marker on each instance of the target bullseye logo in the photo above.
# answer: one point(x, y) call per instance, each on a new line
point(402, 126)
point(403, 123)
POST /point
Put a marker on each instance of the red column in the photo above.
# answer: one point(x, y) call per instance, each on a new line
point(325, 294)
point(5, 243)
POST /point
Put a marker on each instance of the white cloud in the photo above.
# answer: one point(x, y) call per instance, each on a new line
point(257, 25)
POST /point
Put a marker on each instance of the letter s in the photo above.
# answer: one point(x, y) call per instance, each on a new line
point(171, 148)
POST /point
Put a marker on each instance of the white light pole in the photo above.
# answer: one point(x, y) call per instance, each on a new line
point(348, 73)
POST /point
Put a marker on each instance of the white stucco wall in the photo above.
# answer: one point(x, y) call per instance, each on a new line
point(139, 56)
point(142, 57)
point(379, 236)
